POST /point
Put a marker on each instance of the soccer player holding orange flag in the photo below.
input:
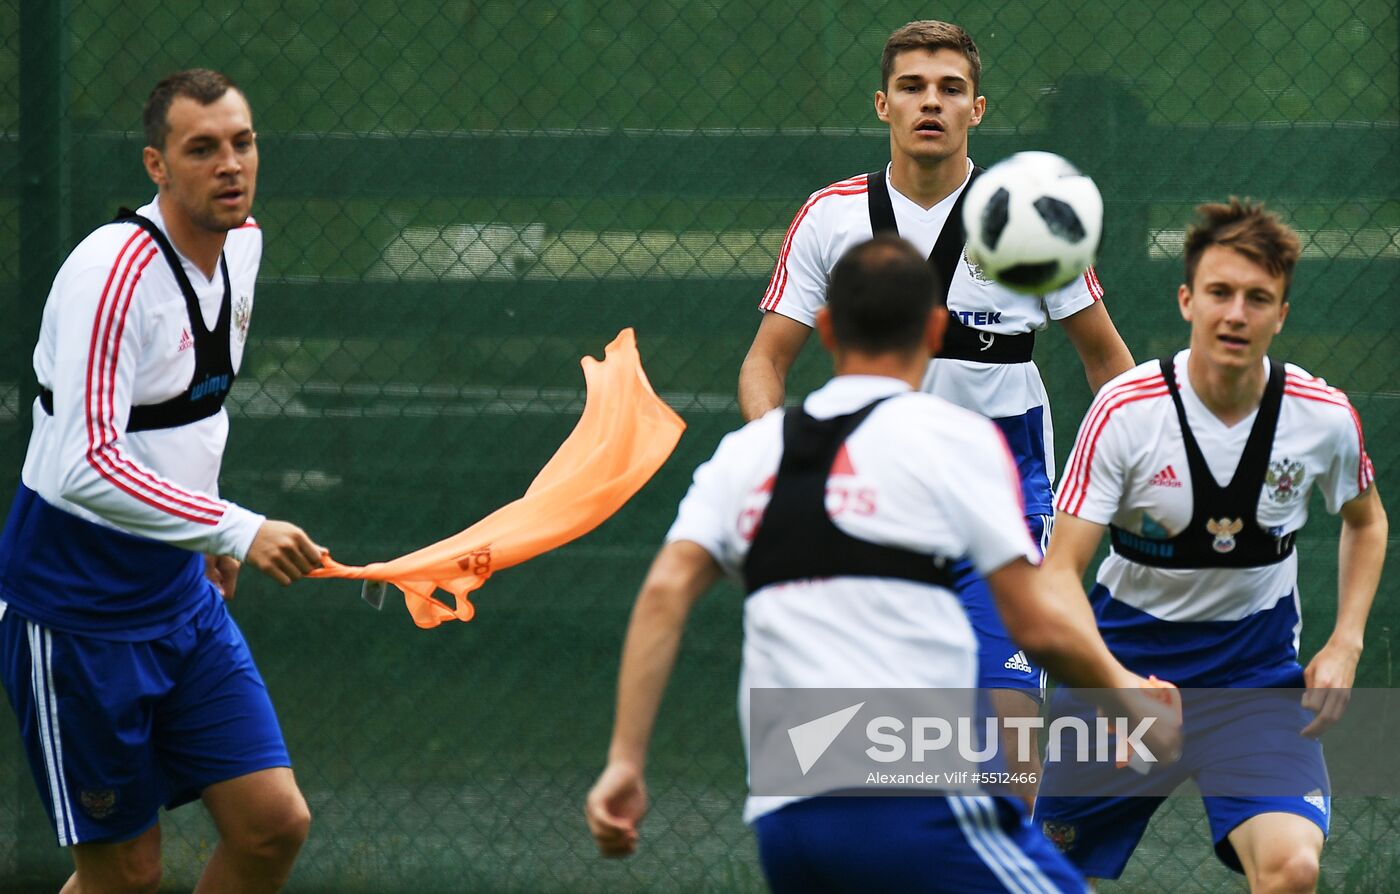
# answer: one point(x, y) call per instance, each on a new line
point(625, 434)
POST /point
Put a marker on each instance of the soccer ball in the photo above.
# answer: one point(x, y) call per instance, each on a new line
point(1033, 222)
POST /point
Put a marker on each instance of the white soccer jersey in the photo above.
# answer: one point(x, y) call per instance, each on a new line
point(900, 479)
point(115, 333)
point(1129, 469)
point(837, 217)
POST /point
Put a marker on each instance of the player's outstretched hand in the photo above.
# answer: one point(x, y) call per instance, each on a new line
point(614, 808)
point(283, 552)
point(1329, 678)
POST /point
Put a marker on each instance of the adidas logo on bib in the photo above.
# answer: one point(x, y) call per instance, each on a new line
point(1018, 662)
point(1165, 478)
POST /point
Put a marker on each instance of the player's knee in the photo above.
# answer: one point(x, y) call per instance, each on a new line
point(1296, 871)
point(277, 834)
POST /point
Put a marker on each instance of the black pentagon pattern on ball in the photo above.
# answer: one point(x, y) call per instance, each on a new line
point(1060, 218)
point(1029, 276)
point(994, 216)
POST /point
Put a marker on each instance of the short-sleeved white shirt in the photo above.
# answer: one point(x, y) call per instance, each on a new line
point(1129, 469)
point(901, 479)
point(837, 217)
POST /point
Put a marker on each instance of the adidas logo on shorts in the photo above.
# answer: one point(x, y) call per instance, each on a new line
point(1165, 478)
point(1316, 799)
point(1018, 662)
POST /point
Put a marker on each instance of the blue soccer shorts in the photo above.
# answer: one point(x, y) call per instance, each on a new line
point(916, 844)
point(1001, 664)
point(1255, 763)
point(114, 730)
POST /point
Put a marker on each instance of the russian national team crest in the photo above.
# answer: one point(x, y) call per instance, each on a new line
point(975, 271)
point(1062, 835)
point(242, 314)
point(1224, 530)
point(98, 803)
point(1284, 482)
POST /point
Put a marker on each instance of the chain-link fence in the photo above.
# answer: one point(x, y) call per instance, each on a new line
point(459, 199)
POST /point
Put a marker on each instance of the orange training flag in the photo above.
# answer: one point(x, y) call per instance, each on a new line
point(625, 434)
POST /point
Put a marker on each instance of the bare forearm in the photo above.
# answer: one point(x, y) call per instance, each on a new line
point(761, 387)
point(1360, 557)
point(1107, 366)
point(1062, 634)
point(648, 656)
point(1048, 615)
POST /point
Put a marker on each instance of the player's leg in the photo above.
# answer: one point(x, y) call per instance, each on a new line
point(1274, 837)
point(220, 742)
point(1280, 853)
point(83, 712)
point(128, 867)
point(262, 820)
point(1023, 765)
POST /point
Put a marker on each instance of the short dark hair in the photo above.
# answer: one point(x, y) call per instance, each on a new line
point(930, 35)
point(203, 85)
point(1249, 229)
point(880, 294)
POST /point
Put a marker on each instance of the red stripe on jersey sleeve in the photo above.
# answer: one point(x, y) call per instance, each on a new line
point(853, 187)
point(107, 305)
point(1365, 471)
point(1076, 488)
point(1096, 408)
point(1091, 281)
point(102, 453)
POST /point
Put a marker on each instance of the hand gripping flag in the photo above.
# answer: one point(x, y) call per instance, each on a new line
point(625, 434)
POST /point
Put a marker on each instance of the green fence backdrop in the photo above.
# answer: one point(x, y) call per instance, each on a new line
point(460, 199)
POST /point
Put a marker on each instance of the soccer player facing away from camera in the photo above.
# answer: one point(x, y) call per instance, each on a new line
point(840, 517)
point(929, 80)
point(1200, 466)
point(133, 687)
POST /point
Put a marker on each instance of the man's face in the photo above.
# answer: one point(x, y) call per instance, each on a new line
point(208, 167)
point(1235, 308)
point(930, 104)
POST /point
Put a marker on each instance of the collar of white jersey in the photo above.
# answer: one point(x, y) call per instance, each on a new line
point(912, 207)
point(1193, 400)
point(846, 394)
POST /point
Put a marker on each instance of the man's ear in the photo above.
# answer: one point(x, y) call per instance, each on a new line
point(934, 330)
point(1183, 301)
point(155, 165)
point(824, 329)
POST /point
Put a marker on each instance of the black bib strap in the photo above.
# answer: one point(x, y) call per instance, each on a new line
point(960, 342)
point(213, 363)
point(1224, 530)
point(796, 538)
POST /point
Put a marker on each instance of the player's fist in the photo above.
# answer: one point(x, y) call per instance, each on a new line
point(615, 805)
point(1159, 701)
point(283, 552)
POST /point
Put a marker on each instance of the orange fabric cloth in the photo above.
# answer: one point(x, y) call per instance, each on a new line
point(625, 434)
